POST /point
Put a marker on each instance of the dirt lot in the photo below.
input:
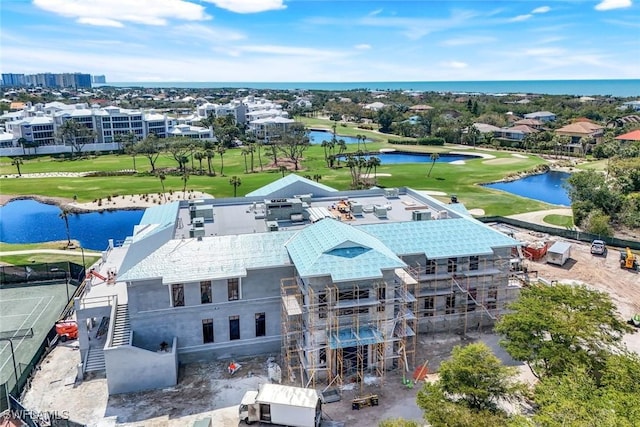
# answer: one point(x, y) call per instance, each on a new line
point(601, 273)
point(207, 390)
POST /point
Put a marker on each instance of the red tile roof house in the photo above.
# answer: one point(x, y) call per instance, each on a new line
point(632, 136)
point(578, 130)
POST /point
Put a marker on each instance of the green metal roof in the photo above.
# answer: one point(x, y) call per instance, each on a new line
point(298, 184)
point(446, 238)
point(215, 257)
point(330, 247)
point(162, 214)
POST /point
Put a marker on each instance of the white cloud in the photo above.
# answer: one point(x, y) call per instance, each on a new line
point(113, 12)
point(363, 46)
point(416, 28)
point(520, 18)
point(544, 51)
point(207, 33)
point(248, 6)
point(613, 4)
point(290, 51)
point(454, 64)
point(541, 9)
point(100, 22)
point(466, 41)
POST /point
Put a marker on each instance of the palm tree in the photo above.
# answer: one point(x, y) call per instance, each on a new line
point(364, 142)
point(245, 153)
point(199, 156)
point(236, 182)
point(23, 143)
point(17, 162)
point(342, 147)
point(64, 214)
point(185, 178)
point(209, 154)
point(317, 177)
point(220, 149)
point(434, 157)
point(325, 144)
point(374, 162)
point(162, 177)
point(252, 149)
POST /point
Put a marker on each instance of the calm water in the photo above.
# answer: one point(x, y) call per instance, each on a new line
point(398, 157)
point(317, 136)
point(546, 187)
point(28, 221)
point(625, 88)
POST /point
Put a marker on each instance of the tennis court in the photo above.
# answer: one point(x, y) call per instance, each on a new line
point(36, 306)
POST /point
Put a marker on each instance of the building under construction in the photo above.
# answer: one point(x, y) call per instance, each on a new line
point(365, 320)
point(340, 283)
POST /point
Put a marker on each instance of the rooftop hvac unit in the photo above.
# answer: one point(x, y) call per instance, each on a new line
point(421, 215)
point(391, 193)
point(196, 232)
point(198, 222)
point(356, 208)
point(380, 212)
point(443, 215)
point(272, 226)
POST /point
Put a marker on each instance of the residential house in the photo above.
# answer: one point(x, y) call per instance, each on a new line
point(578, 132)
point(543, 116)
point(632, 136)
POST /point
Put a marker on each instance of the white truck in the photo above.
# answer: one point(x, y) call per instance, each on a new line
point(280, 404)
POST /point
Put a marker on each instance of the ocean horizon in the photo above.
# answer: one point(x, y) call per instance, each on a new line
point(613, 87)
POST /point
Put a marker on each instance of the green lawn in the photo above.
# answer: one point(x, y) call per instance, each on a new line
point(461, 180)
point(42, 258)
point(559, 220)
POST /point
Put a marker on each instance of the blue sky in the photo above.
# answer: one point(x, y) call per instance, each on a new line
point(322, 40)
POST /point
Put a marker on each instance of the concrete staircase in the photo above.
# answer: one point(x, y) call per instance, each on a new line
point(121, 326)
point(95, 360)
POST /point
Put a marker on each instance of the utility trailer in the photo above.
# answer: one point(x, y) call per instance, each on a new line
point(559, 253)
point(280, 404)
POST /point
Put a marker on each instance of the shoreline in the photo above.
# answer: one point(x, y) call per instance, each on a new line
point(125, 202)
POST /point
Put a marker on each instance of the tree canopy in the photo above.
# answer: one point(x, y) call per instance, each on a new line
point(471, 385)
point(555, 328)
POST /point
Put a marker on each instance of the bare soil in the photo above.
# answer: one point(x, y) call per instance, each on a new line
point(206, 389)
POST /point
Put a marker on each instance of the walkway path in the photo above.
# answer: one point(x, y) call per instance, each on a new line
point(537, 217)
point(50, 251)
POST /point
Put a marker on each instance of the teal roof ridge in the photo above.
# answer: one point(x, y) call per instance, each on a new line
point(326, 248)
point(286, 181)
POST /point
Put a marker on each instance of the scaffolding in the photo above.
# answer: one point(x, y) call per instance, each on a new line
point(465, 297)
point(339, 333)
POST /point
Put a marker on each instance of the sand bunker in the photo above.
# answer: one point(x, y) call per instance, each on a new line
point(475, 153)
point(476, 211)
point(374, 175)
point(520, 156)
point(432, 193)
point(502, 161)
point(457, 162)
point(387, 150)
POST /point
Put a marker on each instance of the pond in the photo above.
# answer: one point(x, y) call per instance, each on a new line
point(317, 136)
point(29, 221)
point(547, 187)
point(397, 157)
